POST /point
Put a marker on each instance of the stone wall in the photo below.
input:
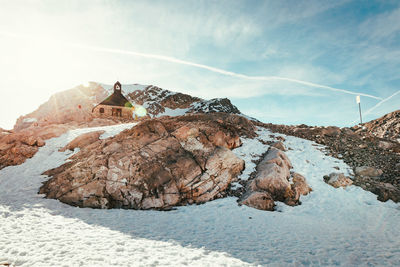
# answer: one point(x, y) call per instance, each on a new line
point(126, 112)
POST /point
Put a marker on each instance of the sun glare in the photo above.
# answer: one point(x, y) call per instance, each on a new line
point(86, 84)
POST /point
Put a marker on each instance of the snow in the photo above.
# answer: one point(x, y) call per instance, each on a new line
point(30, 120)
point(343, 227)
point(173, 112)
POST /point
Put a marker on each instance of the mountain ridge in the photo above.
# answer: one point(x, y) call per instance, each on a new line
point(75, 105)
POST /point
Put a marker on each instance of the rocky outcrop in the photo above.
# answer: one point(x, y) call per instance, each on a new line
point(157, 100)
point(337, 180)
point(83, 140)
point(16, 147)
point(274, 182)
point(357, 147)
point(157, 164)
point(387, 127)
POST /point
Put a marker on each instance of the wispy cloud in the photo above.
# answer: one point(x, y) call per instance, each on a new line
point(382, 26)
point(210, 68)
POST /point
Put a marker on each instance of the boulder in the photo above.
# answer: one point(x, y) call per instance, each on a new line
point(259, 200)
point(367, 171)
point(274, 182)
point(337, 180)
point(300, 184)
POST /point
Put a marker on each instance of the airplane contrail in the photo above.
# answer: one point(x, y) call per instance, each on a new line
point(381, 102)
point(218, 70)
point(377, 105)
point(202, 66)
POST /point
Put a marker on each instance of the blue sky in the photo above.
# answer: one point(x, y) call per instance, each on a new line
point(278, 61)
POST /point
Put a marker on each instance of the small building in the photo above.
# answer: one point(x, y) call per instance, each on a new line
point(116, 105)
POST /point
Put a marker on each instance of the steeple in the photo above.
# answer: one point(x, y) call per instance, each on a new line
point(117, 87)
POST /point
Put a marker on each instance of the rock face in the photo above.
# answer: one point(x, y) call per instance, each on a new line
point(158, 100)
point(157, 164)
point(16, 147)
point(73, 109)
point(337, 180)
point(272, 183)
point(83, 140)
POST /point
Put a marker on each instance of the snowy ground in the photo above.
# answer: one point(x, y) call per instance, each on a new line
point(332, 226)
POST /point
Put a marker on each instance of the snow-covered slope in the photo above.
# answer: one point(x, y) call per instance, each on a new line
point(341, 227)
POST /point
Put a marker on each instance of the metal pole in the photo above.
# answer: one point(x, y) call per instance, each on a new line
point(359, 108)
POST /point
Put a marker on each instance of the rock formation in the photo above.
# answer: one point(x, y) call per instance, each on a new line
point(157, 164)
point(337, 180)
point(83, 140)
point(16, 147)
point(387, 127)
point(274, 182)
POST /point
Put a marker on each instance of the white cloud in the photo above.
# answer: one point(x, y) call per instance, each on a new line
point(382, 26)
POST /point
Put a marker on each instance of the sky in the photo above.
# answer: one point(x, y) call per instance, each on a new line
point(286, 62)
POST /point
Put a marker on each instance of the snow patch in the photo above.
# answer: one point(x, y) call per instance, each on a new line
point(173, 112)
point(30, 120)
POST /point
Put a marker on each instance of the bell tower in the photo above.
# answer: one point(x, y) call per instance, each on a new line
point(117, 87)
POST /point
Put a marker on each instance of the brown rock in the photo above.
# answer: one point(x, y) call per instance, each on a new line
point(259, 200)
point(331, 131)
point(300, 184)
point(157, 164)
point(279, 145)
point(83, 140)
point(368, 171)
point(338, 180)
point(272, 182)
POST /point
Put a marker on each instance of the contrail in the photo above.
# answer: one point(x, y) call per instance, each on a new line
point(217, 70)
point(381, 102)
point(377, 105)
point(201, 66)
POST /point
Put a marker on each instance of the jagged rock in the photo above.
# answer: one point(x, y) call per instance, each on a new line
point(387, 126)
point(368, 171)
point(83, 140)
point(259, 200)
point(16, 147)
point(300, 184)
point(273, 174)
point(279, 145)
point(157, 164)
point(337, 180)
point(272, 182)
